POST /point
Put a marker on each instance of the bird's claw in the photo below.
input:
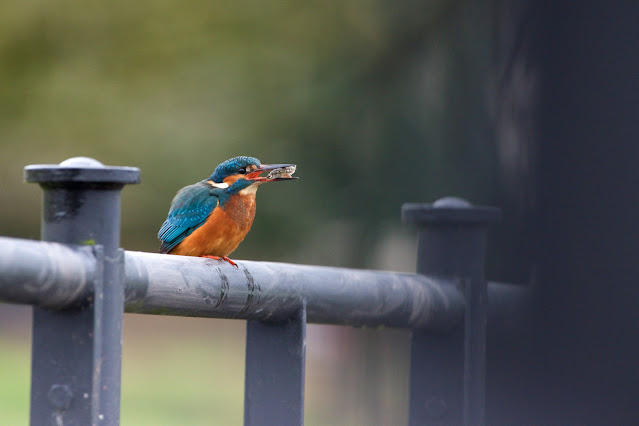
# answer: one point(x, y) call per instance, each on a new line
point(208, 256)
point(230, 261)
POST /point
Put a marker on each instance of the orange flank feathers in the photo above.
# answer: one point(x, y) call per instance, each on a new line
point(223, 230)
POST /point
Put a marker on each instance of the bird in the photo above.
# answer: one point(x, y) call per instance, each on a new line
point(211, 218)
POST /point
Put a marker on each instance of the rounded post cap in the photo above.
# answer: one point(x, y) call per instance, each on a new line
point(81, 170)
point(449, 210)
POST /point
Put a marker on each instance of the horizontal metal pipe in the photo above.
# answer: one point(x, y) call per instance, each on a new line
point(40, 273)
point(57, 276)
point(189, 286)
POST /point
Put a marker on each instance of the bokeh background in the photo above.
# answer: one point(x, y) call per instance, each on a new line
point(356, 93)
point(530, 106)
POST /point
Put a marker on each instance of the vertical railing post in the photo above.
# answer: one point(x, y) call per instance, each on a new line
point(274, 375)
point(448, 370)
point(76, 353)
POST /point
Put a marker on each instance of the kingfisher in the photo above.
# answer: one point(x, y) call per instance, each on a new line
point(212, 217)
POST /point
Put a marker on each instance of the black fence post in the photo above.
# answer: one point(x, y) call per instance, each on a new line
point(76, 353)
point(448, 370)
point(274, 376)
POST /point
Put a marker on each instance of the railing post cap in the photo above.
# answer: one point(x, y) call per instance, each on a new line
point(81, 170)
point(449, 210)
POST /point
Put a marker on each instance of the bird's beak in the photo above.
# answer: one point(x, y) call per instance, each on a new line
point(276, 172)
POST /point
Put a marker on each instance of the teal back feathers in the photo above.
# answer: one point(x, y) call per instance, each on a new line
point(189, 210)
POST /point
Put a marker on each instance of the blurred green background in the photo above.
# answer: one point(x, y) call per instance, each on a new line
point(375, 101)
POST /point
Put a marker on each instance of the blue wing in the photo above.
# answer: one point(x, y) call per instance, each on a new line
point(189, 209)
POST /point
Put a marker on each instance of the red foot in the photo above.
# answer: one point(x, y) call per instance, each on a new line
point(208, 256)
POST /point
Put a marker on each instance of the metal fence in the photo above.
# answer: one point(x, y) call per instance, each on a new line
point(80, 282)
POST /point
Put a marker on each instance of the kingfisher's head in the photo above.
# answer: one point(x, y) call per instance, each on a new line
point(242, 172)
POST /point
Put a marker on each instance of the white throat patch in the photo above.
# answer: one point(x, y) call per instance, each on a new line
point(251, 189)
point(222, 185)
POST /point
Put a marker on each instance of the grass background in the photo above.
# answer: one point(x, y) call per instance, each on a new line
point(190, 371)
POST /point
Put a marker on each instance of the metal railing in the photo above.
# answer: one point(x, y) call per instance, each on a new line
point(80, 282)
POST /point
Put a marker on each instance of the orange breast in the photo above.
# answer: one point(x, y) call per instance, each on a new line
point(223, 231)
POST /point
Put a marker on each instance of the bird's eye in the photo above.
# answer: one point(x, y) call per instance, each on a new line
point(242, 171)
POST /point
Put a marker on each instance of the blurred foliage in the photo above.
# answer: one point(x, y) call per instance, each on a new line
point(353, 92)
point(377, 102)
